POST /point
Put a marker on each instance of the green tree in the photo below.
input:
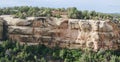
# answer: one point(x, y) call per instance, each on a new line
point(73, 13)
point(85, 14)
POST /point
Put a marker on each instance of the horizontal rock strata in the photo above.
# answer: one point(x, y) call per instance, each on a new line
point(67, 33)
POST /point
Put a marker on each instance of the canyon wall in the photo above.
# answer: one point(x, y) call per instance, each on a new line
point(66, 33)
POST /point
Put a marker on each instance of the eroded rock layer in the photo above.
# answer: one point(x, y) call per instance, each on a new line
point(68, 33)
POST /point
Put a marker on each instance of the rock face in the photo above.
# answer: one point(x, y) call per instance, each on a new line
point(3, 29)
point(98, 34)
point(70, 33)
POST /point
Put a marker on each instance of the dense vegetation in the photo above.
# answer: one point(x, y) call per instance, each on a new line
point(77, 14)
point(14, 52)
point(25, 11)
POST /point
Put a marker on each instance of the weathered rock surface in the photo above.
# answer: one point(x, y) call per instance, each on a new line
point(71, 33)
point(11, 21)
point(1, 28)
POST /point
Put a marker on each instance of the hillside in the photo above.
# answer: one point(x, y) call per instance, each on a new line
point(39, 34)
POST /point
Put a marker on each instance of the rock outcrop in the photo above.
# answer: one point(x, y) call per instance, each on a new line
point(67, 33)
point(3, 29)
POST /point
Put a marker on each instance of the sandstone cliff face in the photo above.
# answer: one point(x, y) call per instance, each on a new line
point(98, 34)
point(70, 33)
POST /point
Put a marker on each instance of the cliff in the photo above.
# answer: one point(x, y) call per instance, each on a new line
point(66, 33)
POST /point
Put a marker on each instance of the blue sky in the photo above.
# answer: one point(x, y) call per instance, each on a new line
point(106, 6)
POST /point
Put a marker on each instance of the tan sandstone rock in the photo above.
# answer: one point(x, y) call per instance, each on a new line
point(71, 33)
